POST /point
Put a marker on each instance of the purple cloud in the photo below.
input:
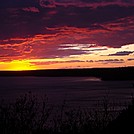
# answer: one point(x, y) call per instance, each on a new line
point(122, 53)
point(107, 61)
point(130, 59)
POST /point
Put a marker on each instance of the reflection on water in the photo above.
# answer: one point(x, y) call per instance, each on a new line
point(82, 91)
point(92, 79)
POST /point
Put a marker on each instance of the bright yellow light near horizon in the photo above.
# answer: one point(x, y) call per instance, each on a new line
point(18, 65)
point(21, 65)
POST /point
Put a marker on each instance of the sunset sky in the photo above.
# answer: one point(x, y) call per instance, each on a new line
point(51, 34)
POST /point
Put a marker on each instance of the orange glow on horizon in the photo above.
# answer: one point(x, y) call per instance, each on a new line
point(17, 65)
point(95, 57)
point(21, 65)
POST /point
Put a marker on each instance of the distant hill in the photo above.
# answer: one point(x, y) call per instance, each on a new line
point(121, 73)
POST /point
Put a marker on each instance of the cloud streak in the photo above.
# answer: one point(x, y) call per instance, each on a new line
point(123, 53)
point(109, 61)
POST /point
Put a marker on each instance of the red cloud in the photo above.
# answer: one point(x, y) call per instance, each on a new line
point(80, 3)
point(31, 9)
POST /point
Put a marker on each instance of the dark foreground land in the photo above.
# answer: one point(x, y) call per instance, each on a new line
point(28, 116)
point(122, 73)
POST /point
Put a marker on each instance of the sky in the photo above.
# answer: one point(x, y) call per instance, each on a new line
point(55, 34)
